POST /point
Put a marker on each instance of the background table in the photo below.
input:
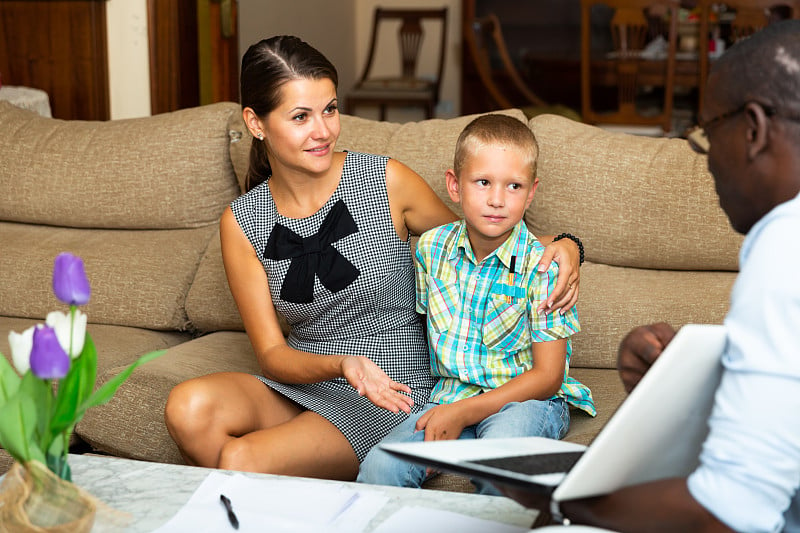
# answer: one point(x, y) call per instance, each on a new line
point(27, 98)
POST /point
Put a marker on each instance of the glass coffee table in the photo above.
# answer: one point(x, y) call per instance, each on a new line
point(152, 493)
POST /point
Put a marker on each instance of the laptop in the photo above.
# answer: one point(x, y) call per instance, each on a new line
point(656, 433)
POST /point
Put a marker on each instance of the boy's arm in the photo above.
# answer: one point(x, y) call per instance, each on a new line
point(446, 421)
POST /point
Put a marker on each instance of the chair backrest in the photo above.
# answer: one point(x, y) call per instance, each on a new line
point(484, 38)
point(630, 31)
point(410, 36)
point(750, 16)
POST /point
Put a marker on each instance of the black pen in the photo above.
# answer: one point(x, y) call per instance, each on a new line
point(229, 508)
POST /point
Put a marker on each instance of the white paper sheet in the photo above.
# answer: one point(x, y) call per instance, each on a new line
point(275, 505)
point(409, 519)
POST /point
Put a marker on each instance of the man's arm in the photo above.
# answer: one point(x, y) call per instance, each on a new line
point(664, 505)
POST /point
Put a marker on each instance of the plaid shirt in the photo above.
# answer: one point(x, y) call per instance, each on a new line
point(482, 319)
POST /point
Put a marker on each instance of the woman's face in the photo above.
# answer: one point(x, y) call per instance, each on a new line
point(301, 132)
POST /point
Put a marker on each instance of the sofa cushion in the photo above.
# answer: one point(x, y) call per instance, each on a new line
point(633, 201)
point(364, 135)
point(162, 172)
point(116, 345)
point(613, 300)
point(132, 424)
point(138, 278)
point(608, 394)
point(210, 305)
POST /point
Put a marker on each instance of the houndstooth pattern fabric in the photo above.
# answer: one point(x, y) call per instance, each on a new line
point(373, 317)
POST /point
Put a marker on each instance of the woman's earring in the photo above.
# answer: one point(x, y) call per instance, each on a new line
point(260, 136)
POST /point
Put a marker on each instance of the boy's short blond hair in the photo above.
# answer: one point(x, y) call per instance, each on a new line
point(498, 130)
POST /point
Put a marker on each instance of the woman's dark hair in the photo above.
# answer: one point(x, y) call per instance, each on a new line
point(266, 66)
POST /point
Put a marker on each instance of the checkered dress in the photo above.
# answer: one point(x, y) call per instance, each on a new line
point(374, 316)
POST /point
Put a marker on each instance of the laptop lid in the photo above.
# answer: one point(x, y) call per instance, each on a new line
point(656, 433)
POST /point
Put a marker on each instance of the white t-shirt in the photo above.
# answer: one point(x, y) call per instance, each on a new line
point(749, 469)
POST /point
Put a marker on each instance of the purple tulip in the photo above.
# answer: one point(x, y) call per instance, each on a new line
point(70, 284)
point(48, 358)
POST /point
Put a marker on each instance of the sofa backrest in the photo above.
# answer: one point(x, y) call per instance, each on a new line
point(634, 201)
point(137, 199)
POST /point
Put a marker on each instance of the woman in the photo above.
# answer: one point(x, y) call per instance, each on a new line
point(321, 236)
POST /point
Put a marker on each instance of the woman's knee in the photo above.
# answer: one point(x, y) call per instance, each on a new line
point(238, 454)
point(189, 405)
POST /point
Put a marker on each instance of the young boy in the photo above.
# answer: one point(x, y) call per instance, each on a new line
point(502, 367)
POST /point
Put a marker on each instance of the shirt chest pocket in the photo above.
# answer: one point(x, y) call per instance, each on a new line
point(506, 327)
point(443, 301)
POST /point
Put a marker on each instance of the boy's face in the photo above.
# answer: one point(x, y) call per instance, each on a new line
point(494, 190)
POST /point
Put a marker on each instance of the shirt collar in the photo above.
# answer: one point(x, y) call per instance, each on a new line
point(514, 245)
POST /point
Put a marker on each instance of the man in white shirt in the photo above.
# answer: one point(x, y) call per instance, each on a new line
point(749, 470)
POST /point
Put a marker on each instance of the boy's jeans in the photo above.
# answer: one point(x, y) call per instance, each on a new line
point(533, 418)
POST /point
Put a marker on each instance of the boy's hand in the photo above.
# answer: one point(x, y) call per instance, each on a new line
point(370, 381)
point(443, 422)
point(565, 294)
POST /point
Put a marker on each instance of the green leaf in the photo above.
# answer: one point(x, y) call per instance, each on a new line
point(9, 380)
point(40, 393)
point(57, 460)
point(17, 428)
point(106, 392)
point(73, 390)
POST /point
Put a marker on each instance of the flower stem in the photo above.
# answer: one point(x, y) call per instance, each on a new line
point(72, 309)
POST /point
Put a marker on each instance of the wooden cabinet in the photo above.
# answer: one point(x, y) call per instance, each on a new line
point(58, 46)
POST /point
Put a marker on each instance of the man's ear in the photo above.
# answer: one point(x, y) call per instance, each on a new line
point(757, 129)
point(451, 180)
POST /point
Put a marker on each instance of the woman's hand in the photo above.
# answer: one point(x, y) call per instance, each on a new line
point(443, 422)
point(565, 294)
point(370, 381)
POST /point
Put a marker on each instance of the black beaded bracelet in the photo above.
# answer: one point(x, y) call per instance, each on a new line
point(574, 239)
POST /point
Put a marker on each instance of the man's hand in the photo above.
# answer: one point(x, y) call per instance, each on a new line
point(530, 499)
point(443, 422)
point(370, 381)
point(565, 294)
point(639, 350)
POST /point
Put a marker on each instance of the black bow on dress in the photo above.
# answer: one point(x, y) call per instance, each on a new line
point(314, 255)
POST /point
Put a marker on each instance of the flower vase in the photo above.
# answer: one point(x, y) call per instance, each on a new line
point(32, 498)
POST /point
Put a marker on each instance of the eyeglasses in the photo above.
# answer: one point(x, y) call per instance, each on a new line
point(698, 138)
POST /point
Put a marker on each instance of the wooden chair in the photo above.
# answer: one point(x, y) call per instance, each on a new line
point(630, 34)
point(484, 39)
point(406, 88)
point(751, 16)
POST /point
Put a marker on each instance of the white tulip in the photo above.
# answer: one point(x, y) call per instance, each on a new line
point(21, 346)
point(61, 322)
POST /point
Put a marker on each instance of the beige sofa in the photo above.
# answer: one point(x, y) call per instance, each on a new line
point(139, 200)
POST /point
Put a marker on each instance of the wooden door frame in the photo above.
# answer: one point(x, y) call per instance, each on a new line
point(172, 31)
point(175, 56)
